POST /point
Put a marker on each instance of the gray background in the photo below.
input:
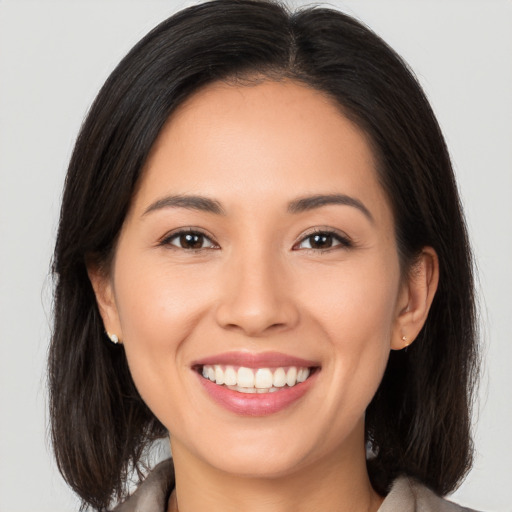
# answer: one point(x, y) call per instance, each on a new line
point(53, 58)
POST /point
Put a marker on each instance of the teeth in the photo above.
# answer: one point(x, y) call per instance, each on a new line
point(279, 378)
point(263, 378)
point(252, 390)
point(245, 377)
point(230, 376)
point(257, 380)
point(219, 375)
point(302, 374)
point(291, 376)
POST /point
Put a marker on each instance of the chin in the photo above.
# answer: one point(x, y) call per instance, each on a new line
point(269, 455)
point(264, 465)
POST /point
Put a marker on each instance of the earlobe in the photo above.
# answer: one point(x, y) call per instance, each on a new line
point(416, 298)
point(103, 290)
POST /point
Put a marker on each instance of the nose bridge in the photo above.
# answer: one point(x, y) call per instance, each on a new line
point(256, 294)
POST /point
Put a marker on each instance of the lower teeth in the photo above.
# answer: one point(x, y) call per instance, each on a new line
point(253, 390)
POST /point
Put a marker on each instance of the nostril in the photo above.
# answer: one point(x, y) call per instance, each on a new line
point(256, 308)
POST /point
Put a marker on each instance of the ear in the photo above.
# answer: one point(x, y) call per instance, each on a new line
point(103, 289)
point(415, 299)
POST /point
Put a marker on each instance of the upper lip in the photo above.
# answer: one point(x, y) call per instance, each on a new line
point(256, 360)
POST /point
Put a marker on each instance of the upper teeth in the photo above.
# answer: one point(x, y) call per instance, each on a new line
point(255, 378)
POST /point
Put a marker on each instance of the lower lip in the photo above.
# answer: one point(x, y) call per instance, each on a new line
point(256, 404)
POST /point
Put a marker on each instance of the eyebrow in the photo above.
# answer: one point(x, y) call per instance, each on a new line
point(199, 203)
point(303, 204)
point(317, 201)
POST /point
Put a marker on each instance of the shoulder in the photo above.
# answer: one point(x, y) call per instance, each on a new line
point(152, 495)
point(409, 495)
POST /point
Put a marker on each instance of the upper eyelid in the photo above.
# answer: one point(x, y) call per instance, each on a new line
point(189, 229)
point(344, 241)
point(340, 235)
point(321, 230)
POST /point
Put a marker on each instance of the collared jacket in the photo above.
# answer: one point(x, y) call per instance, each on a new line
point(406, 495)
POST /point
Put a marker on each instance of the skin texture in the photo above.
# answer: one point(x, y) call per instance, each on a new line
point(256, 285)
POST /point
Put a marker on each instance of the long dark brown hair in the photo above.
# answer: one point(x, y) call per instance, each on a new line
point(419, 420)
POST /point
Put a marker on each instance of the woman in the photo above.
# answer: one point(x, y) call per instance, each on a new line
point(260, 215)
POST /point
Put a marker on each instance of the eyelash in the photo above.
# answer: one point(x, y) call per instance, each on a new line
point(167, 240)
point(343, 242)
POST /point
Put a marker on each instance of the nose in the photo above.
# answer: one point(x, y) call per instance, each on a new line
point(257, 297)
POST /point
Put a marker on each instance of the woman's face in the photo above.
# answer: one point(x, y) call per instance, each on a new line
point(259, 248)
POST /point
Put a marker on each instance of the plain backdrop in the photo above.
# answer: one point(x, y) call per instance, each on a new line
point(54, 56)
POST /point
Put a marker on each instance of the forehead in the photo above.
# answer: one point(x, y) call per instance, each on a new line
point(272, 140)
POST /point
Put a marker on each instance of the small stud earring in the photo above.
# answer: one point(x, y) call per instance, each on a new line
point(404, 339)
point(113, 338)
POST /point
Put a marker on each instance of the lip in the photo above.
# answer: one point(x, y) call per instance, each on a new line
point(256, 404)
point(252, 360)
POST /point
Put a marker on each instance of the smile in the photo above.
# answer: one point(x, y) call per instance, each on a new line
point(255, 380)
point(250, 384)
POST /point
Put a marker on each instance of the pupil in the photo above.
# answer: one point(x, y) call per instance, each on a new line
point(322, 241)
point(191, 241)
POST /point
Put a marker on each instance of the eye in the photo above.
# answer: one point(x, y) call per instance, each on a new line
point(323, 240)
point(189, 240)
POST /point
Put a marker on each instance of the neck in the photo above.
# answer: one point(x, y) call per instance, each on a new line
point(335, 483)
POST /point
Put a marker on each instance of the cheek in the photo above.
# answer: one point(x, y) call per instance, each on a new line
point(157, 300)
point(158, 310)
point(355, 308)
point(356, 301)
